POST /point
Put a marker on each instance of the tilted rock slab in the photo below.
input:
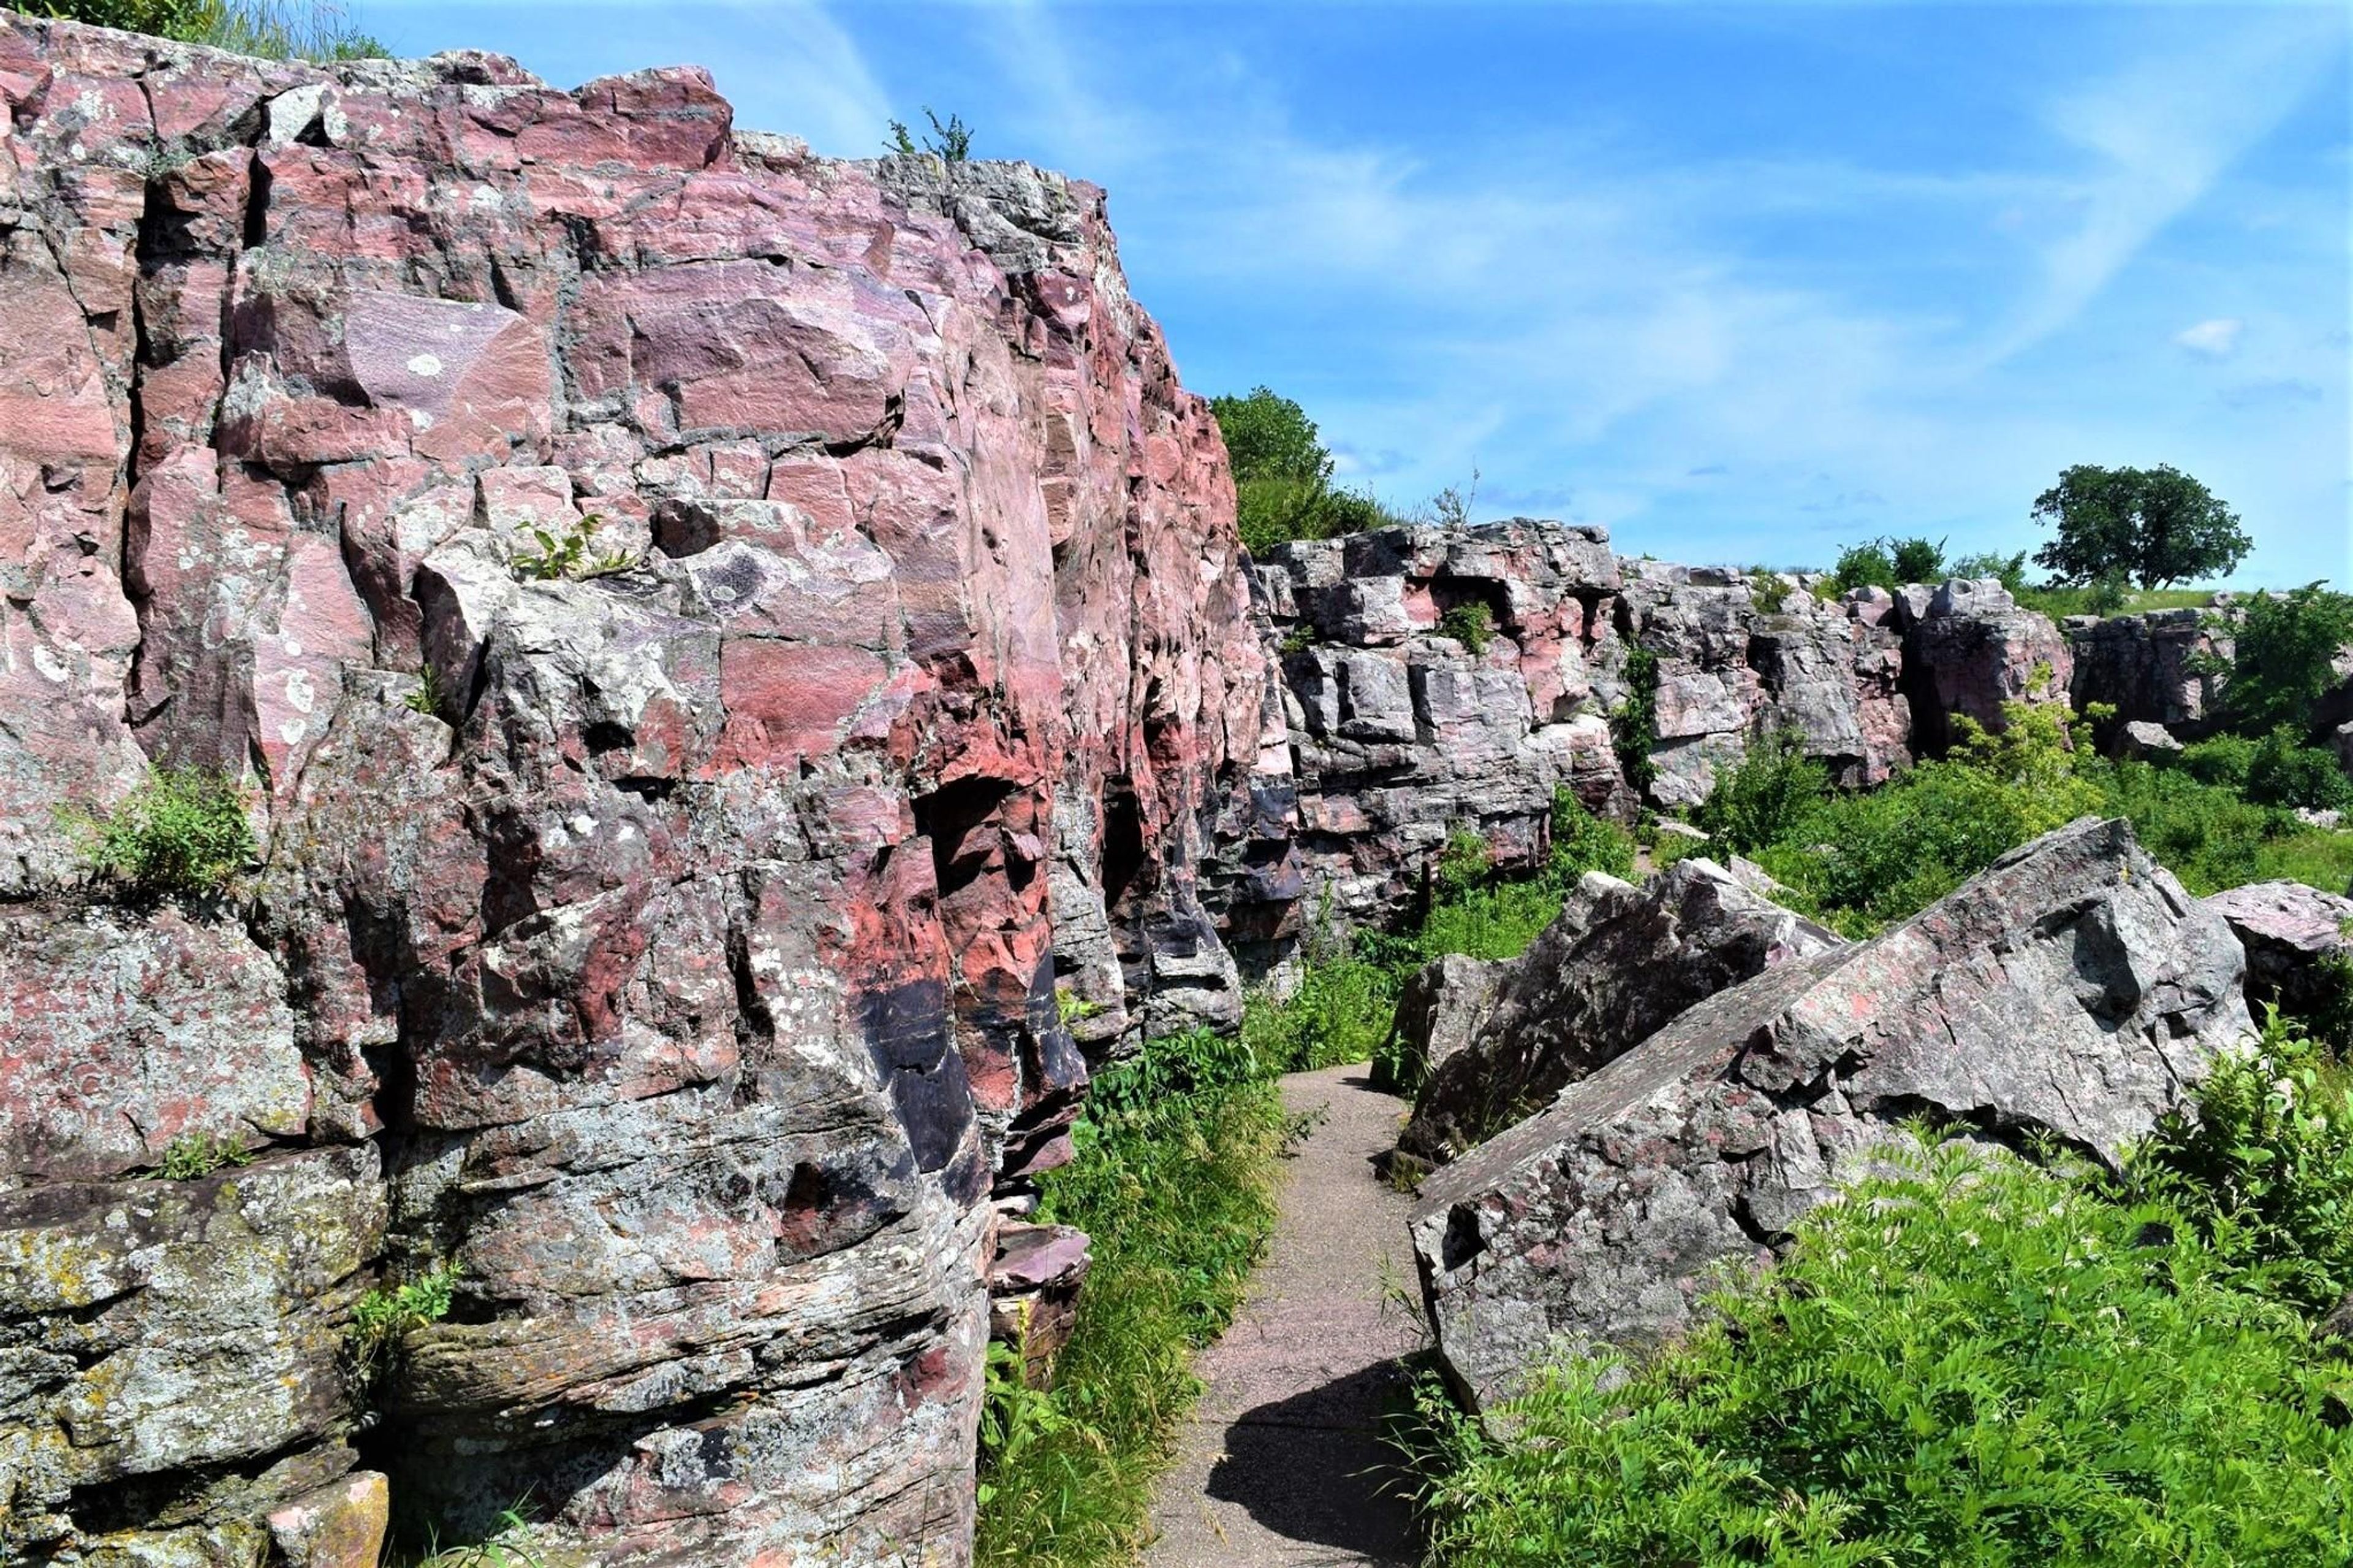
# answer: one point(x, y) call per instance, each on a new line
point(2073, 990)
point(1616, 964)
point(681, 943)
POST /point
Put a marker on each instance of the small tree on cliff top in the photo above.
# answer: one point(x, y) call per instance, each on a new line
point(2156, 526)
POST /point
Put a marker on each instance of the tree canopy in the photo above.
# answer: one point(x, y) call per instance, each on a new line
point(2156, 526)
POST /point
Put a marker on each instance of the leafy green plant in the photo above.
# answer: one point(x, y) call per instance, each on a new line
point(2264, 1168)
point(1967, 1360)
point(1069, 1007)
point(1917, 560)
point(384, 1313)
point(1764, 798)
point(1298, 638)
point(2283, 660)
point(1471, 625)
point(194, 1155)
point(427, 698)
point(1282, 475)
point(2285, 772)
point(570, 555)
point(1582, 842)
point(1634, 721)
point(181, 834)
point(950, 143)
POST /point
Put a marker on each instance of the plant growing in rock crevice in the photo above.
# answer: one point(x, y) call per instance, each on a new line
point(194, 1155)
point(386, 1312)
point(181, 834)
point(1472, 626)
point(568, 556)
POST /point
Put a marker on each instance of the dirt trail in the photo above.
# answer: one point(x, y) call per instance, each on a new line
point(1283, 1466)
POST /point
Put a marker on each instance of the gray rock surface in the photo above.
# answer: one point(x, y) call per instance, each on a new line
point(2290, 932)
point(2073, 990)
point(1617, 963)
point(2150, 666)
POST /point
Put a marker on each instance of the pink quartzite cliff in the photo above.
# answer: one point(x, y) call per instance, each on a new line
point(675, 949)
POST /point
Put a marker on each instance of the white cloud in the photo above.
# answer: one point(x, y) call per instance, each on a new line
point(2217, 338)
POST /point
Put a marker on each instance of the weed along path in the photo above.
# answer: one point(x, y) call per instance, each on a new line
point(1283, 1465)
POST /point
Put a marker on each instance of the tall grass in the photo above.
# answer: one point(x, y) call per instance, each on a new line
point(1175, 1181)
point(272, 30)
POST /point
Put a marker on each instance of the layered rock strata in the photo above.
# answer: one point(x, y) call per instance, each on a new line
point(716, 639)
point(2071, 991)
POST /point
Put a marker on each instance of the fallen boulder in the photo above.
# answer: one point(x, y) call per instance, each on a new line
point(2071, 991)
point(2297, 940)
point(1611, 969)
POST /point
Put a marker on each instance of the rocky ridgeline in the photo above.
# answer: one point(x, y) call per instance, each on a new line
point(1403, 733)
point(675, 951)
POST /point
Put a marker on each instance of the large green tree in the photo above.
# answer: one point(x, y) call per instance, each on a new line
point(2155, 526)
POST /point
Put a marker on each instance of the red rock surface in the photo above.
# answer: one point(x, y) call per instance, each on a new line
point(686, 938)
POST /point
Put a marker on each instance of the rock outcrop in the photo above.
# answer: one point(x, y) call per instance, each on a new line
point(1444, 678)
point(2072, 991)
point(663, 926)
point(2160, 667)
point(1971, 649)
point(1613, 969)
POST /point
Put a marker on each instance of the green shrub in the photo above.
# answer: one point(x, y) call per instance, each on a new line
point(2223, 761)
point(1177, 1195)
point(2285, 772)
point(1339, 1012)
point(2282, 665)
point(1865, 565)
point(2264, 1168)
point(1970, 1360)
point(1634, 721)
point(386, 1312)
point(1582, 842)
point(1768, 796)
point(1489, 923)
point(1917, 560)
point(570, 555)
point(1472, 626)
point(181, 834)
point(2009, 570)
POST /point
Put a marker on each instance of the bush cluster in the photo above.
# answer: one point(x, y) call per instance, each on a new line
point(1968, 1360)
point(181, 834)
point(1861, 860)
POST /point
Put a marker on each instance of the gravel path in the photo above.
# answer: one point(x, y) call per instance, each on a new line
point(1281, 1466)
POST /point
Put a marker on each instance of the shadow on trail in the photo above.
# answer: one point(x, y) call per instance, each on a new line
point(1313, 1467)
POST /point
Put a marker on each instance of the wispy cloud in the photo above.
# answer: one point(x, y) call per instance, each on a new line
point(2217, 338)
point(2159, 133)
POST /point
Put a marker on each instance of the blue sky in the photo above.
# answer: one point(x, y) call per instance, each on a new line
point(1742, 282)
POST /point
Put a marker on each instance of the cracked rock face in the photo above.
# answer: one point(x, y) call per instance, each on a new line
point(2073, 990)
point(670, 939)
point(1611, 969)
